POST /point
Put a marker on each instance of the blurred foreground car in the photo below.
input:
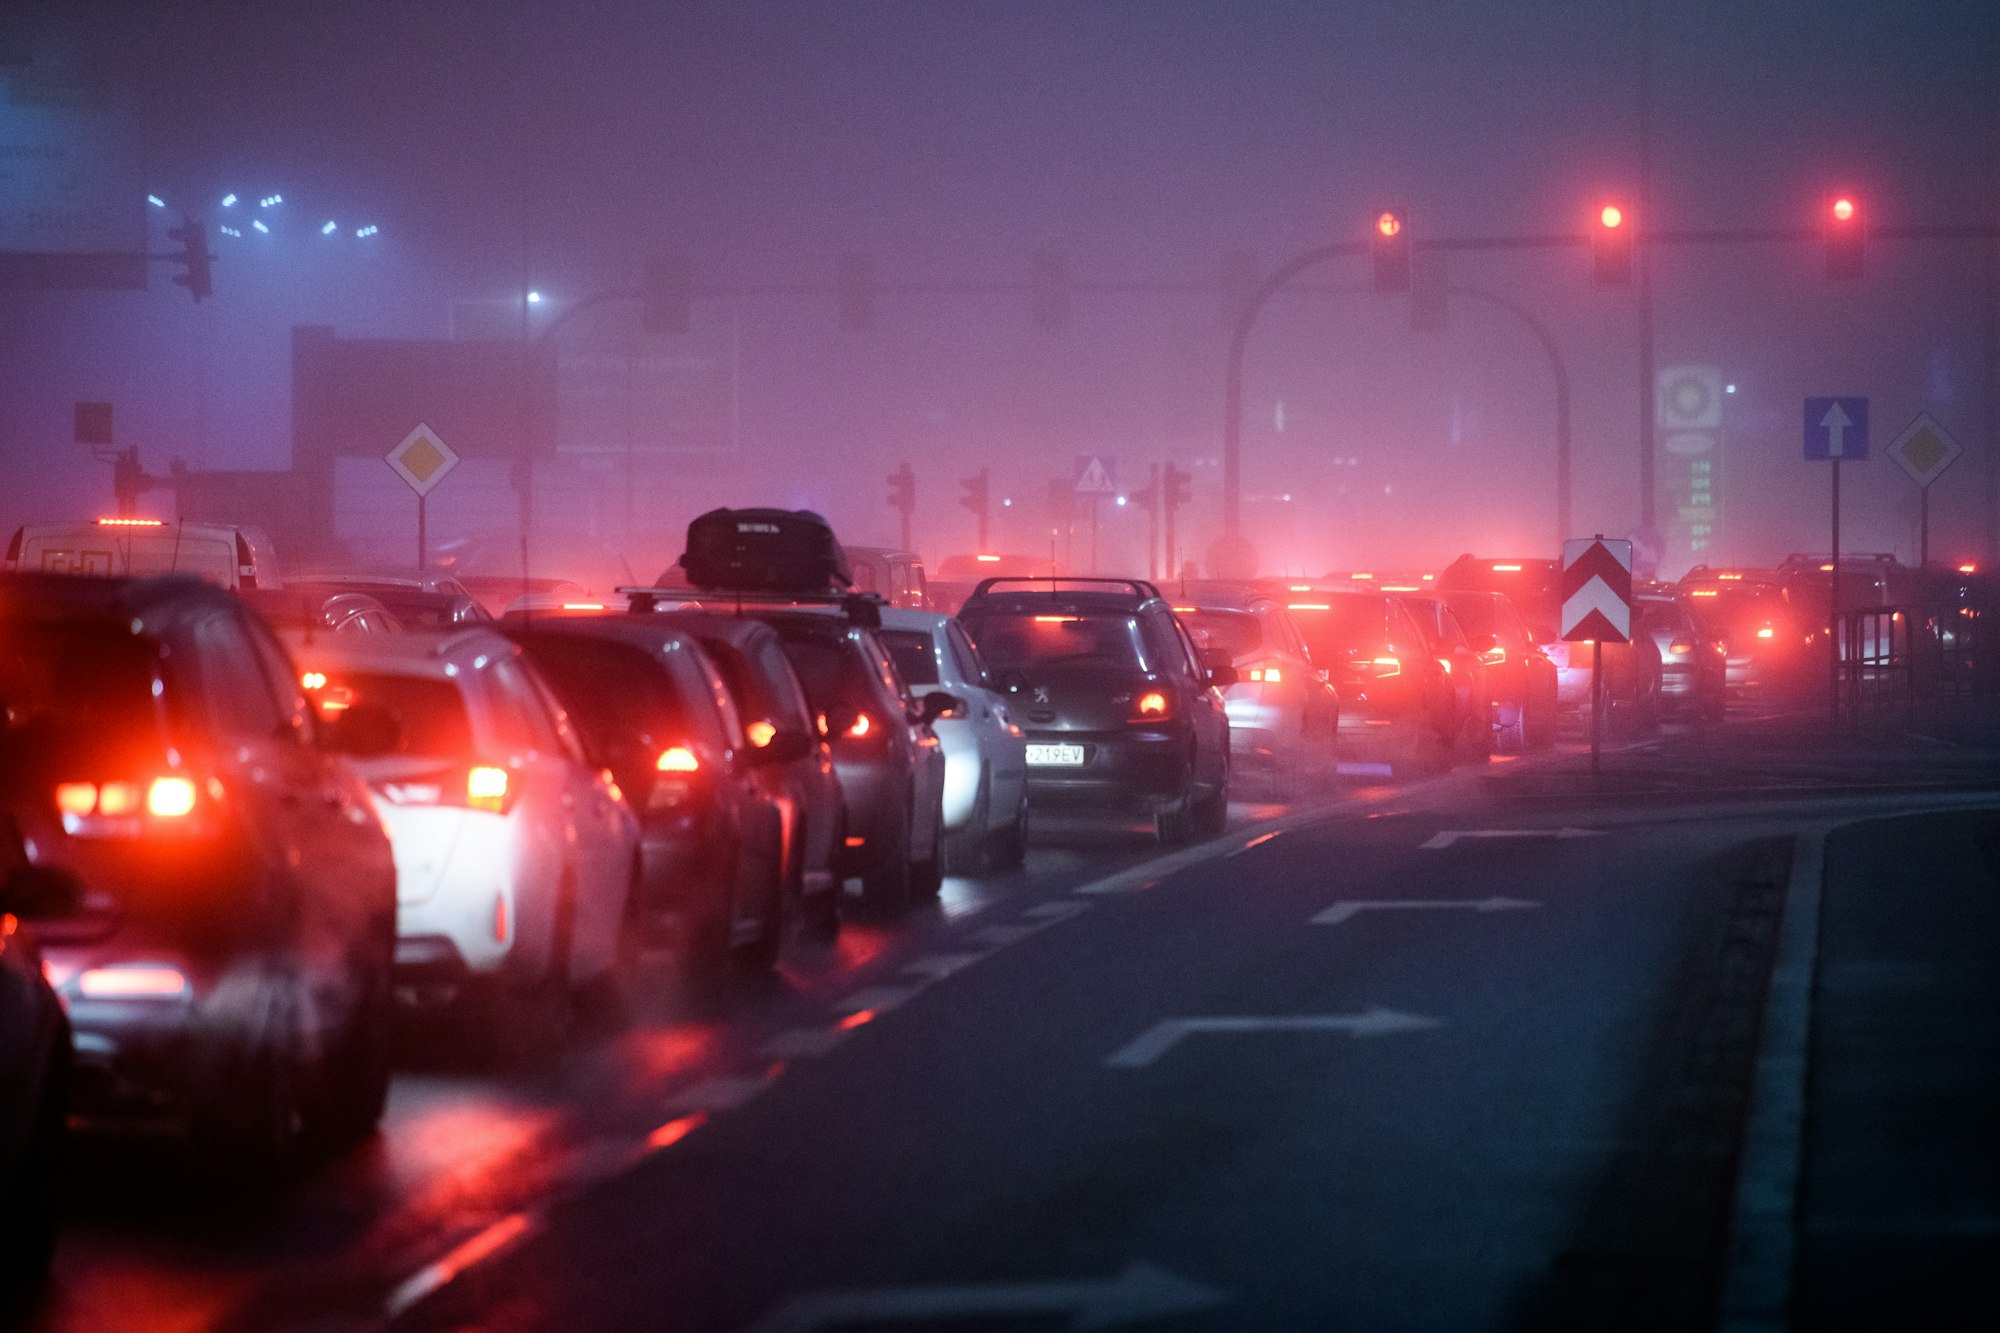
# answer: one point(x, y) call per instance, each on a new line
point(985, 752)
point(514, 856)
point(1397, 703)
point(35, 1060)
point(1520, 678)
point(227, 965)
point(1121, 712)
point(652, 708)
point(1284, 716)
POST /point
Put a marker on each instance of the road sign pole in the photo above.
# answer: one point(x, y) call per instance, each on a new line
point(421, 534)
point(1923, 527)
point(1596, 705)
point(1093, 534)
point(1833, 591)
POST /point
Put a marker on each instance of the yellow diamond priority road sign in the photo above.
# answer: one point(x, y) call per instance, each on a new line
point(422, 459)
point(1924, 450)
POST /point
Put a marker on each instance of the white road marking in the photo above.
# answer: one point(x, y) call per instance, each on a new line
point(876, 999)
point(797, 1043)
point(1439, 841)
point(937, 966)
point(1345, 911)
point(716, 1094)
point(1140, 1294)
point(503, 1235)
point(1162, 1037)
point(1057, 911)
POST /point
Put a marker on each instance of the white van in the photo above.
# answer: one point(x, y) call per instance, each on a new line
point(224, 553)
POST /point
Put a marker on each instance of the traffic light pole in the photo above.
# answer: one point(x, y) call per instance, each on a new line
point(1560, 370)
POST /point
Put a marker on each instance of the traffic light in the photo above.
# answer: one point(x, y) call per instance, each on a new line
point(903, 489)
point(975, 499)
point(1389, 245)
point(857, 293)
point(669, 295)
point(1846, 239)
point(194, 256)
point(1611, 247)
point(1177, 484)
point(1048, 292)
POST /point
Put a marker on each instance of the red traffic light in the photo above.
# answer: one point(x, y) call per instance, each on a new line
point(1843, 210)
point(1845, 239)
point(1389, 224)
point(1611, 248)
point(1612, 216)
point(1389, 252)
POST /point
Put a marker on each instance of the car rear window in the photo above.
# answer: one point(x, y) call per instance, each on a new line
point(1238, 633)
point(833, 674)
point(1721, 610)
point(70, 678)
point(430, 712)
point(914, 653)
point(1338, 627)
point(1478, 613)
point(1014, 640)
point(617, 693)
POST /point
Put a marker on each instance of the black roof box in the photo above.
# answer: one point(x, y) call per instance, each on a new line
point(765, 550)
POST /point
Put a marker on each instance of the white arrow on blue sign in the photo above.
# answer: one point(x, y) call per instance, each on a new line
point(1836, 428)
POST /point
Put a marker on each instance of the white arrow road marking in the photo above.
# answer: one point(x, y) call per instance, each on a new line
point(1340, 912)
point(1836, 423)
point(1157, 1040)
point(1439, 841)
point(1139, 1294)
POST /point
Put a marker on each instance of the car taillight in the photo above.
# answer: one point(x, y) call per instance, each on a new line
point(1681, 646)
point(1767, 633)
point(1494, 656)
point(133, 981)
point(760, 733)
point(486, 788)
point(1445, 662)
point(115, 808)
point(1378, 667)
point(678, 759)
point(1268, 675)
point(861, 726)
point(1152, 706)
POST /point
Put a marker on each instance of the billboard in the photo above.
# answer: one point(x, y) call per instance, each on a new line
point(72, 201)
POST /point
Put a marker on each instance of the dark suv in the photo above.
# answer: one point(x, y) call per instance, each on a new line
point(226, 963)
point(1120, 708)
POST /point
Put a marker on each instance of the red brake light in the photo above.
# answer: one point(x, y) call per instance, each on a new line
point(678, 759)
point(132, 982)
point(170, 798)
point(760, 733)
point(860, 727)
point(1378, 666)
point(1494, 656)
point(1151, 705)
point(1681, 646)
point(1767, 633)
point(486, 788)
point(1266, 675)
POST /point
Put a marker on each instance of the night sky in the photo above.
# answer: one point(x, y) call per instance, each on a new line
point(563, 146)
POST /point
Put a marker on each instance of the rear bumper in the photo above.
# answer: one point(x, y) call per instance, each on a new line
point(1142, 770)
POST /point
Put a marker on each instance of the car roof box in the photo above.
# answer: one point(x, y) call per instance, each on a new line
point(765, 550)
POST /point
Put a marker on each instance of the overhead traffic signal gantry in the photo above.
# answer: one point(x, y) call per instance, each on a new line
point(194, 257)
point(903, 496)
point(1389, 247)
point(1846, 238)
point(1611, 246)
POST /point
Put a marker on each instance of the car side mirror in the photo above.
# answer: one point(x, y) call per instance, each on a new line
point(34, 892)
point(785, 746)
point(939, 704)
point(363, 731)
point(1222, 677)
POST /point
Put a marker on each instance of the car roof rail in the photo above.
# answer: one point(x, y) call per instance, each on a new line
point(1138, 587)
point(860, 608)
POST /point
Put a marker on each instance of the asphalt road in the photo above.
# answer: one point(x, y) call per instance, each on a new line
point(1469, 1053)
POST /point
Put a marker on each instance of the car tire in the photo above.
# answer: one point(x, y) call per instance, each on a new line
point(33, 1199)
point(965, 850)
point(819, 915)
point(1210, 815)
point(1422, 753)
point(1007, 847)
point(354, 1082)
point(1174, 825)
point(885, 884)
point(760, 956)
point(255, 1132)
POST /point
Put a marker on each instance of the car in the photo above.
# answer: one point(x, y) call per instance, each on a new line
point(1520, 677)
point(1121, 710)
point(1631, 667)
point(417, 602)
point(232, 555)
point(515, 856)
point(1766, 637)
point(799, 777)
point(652, 708)
point(1472, 699)
point(302, 606)
point(1694, 662)
point(890, 762)
point(1398, 706)
point(985, 751)
point(226, 967)
point(1284, 715)
point(498, 593)
point(35, 1058)
point(896, 576)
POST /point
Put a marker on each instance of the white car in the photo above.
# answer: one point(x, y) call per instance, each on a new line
point(985, 751)
point(514, 856)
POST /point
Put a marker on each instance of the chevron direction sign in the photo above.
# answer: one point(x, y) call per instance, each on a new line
point(1597, 590)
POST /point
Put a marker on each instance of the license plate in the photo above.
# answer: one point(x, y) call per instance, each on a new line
point(1055, 754)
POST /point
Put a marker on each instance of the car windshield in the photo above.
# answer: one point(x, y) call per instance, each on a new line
point(914, 652)
point(430, 713)
point(1238, 633)
point(1018, 640)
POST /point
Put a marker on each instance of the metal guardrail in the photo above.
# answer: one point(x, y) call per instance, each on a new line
point(1897, 656)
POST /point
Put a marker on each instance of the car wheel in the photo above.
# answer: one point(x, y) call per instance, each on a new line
point(927, 875)
point(965, 850)
point(819, 914)
point(708, 927)
point(34, 1201)
point(1420, 753)
point(1210, 816)
point(1007, 847)
point(885, 884)
point(255, 1127)
point(761, 954)
point(354, 1081)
